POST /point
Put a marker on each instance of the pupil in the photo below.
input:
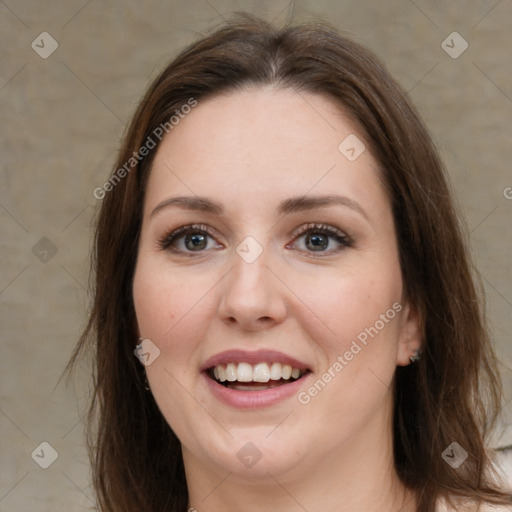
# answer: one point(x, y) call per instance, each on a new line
point(198, 241)
point(318, 241)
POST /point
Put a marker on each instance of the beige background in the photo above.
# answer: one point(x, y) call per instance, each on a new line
point(62, 118)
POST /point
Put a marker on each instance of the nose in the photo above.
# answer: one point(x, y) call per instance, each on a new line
point(253, 297)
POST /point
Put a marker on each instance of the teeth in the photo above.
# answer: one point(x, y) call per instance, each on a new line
point(261, 372)
point(286, 371)
point(275, 371)
point(244, 372)
point(231, 372)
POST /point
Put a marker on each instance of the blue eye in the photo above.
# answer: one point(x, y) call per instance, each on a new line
point(318, 237)
point(194, 239)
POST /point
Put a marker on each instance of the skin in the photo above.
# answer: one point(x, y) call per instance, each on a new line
point(250, 150)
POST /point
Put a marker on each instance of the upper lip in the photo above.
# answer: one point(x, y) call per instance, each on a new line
point(254, 357)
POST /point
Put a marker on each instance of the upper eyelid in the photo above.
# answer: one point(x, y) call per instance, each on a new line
point(319, 226)
point(181, 231)
point(297, 231)
point(185, 229)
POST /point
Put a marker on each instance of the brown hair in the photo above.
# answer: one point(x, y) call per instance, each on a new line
point(452, 394)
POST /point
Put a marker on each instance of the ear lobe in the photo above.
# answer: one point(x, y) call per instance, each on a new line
point(410, 337)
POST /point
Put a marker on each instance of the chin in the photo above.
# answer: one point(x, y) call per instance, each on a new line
point(252, 454)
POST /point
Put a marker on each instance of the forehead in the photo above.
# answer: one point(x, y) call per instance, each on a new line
point(260, 143)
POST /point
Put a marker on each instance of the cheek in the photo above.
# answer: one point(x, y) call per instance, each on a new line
point(171, 308)
point(153, 301)
point(362, 313)
point(353, 302)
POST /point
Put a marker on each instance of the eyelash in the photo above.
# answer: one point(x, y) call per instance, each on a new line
point(167, 240)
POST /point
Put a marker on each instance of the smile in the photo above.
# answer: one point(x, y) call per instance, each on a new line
point(244, 376)
point(253, 379)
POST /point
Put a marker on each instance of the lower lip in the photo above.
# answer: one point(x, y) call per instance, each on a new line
point(253, 399)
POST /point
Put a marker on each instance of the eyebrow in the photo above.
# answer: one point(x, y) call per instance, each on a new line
point(291, 205)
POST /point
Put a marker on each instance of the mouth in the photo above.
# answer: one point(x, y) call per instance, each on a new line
point(254, 379)
point(244, 376)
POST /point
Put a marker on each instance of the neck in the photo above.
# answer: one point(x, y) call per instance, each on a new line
point(357, 476)
point(314, 494)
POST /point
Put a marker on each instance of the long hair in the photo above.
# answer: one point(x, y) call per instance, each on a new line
point(451, 395)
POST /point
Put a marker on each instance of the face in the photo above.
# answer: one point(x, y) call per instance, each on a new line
point(277, 271)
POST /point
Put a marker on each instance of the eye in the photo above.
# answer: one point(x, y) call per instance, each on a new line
point(194, 239)
point(317, 238)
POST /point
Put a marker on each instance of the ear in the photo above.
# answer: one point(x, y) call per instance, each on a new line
point(409, 338)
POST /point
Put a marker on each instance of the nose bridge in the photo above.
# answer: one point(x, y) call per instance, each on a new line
point(250, 271)
point(250, 276)
point(251, 292)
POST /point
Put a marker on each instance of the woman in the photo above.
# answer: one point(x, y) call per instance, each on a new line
point(278, 247)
